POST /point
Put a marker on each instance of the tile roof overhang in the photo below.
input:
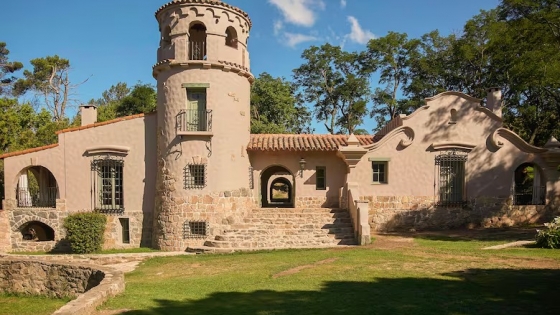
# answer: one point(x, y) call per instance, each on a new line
point(303, 142)
point(212, 2)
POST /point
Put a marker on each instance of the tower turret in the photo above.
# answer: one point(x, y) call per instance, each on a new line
point(203, 87)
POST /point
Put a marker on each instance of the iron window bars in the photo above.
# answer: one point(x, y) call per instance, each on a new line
point(195, 229)
point(194, 176)
point(451, 167)
point(108, 184)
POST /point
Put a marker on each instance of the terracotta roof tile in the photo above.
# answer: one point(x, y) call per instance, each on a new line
point(108, 122)
point(212, 2)
point(22, 152)
point(304, 142)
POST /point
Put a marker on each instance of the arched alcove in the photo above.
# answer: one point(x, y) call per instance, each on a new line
point(281, 177)
point(166, 36)
point(529, 186)
point(36, 231)
point(231, 37)
point(36, 188)
point(197, 41)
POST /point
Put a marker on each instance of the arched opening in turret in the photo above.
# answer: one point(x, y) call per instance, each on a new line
point(166, 36)
point(197, 41)
point(231, 37)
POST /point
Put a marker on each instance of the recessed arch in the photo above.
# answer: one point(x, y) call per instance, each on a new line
point(197, 41)
point(280, 190)
point(277, 174)
point(36, 188)
point(166, 36)
point(529, 185)
point(36, 231)
point(231, 37)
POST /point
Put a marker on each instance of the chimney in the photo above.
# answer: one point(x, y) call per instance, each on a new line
point(89, 114)
point(494, 100)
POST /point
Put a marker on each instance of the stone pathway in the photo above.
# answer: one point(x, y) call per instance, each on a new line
point(512, 244)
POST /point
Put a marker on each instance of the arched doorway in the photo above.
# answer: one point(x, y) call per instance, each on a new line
point(197, 41)
point(36, 231)
point(529, 186)
point(277, 187)
point(36, 188)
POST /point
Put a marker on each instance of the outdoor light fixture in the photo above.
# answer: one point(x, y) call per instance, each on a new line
point(302, 166)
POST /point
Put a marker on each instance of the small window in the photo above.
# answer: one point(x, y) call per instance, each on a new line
point(451, 173)
point(379, 172)
point(125, 229)
point(195, 176)
point(453, 118)
point(320, 178)
point(195, 229)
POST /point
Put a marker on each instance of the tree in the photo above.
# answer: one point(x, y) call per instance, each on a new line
point(336, 84)
point(142, 99)
point(7, 68)
point(275, 108)
point(50, 81)
point(391, 55)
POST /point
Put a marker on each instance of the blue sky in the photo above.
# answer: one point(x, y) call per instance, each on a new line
point(110, 41)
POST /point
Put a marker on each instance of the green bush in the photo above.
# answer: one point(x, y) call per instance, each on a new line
point(549, 238)
point(84, 231)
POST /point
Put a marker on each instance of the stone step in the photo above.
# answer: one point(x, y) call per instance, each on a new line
point(298, 210)
point(296, 220)
point(308, 215)
point(256, 236)
point(283, 226)
point(218, 250)
point(287, 231)
point(278, 243)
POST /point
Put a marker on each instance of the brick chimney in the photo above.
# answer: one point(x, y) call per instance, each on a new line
point(494, 100)
point(88, 114)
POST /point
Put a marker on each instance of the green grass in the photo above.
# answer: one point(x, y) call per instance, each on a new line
point(425, 276)
point(29, 305)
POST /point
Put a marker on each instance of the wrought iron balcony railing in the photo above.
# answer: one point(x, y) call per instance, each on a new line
point(194, 120)
point(197, 51)
point(29, 197)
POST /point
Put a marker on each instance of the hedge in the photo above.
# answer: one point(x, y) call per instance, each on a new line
point(84, 231)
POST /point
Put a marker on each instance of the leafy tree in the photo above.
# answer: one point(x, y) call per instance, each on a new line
point(7, 68)
point(336, 84)
point(50, 81)
point(275, 108)
point(114, 94)
point(392, 56)
point(142, 99)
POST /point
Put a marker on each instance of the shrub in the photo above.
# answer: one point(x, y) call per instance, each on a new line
point(549, 238)
point(84, 231)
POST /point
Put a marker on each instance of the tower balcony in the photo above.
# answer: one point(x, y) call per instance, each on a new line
point(194, 122)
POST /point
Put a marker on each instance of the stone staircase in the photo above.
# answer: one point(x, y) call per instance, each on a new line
point(274, 228)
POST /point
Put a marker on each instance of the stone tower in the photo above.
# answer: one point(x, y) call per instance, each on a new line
point(203, 121)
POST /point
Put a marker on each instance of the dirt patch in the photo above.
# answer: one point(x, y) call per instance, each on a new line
point(112, 312)
point(300, 268)
point(391, 242)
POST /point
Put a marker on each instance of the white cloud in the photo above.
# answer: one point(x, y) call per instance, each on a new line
point(357, 33)
point(278, 25)
point(343, 3)
point(293, 39)
point(299, 12)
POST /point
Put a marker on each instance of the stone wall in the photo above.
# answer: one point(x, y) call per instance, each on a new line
point(390, 213)
point(5, 242)
point(53, 218)
point(140, 230)
point(46, 278)
point(219, 209)
point(317, 202)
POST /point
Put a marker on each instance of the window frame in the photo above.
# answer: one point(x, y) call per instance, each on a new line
point(451, 177)
point(385, 163)
point(192, 181)
point(324, 177)
point(115, 182)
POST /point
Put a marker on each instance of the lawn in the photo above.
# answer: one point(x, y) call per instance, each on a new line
point(29, 305)
point(428, 274)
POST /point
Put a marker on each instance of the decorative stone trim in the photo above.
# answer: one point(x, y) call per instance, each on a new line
point(62, 279)
point(195, 85)
point(515, 139)
point(112, 149)
point(450, 145)
point(404, 130)
point(205, 64)
point(202, 2)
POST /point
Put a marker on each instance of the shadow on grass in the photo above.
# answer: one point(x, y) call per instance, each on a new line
point(511, 234)
point(473, 291)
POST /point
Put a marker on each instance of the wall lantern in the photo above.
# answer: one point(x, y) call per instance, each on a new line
point(302, 163)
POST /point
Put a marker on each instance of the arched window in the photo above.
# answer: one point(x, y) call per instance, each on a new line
point(231, 37)
point(197, 41)
point(166, 36)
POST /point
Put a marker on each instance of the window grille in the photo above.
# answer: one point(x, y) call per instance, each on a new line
point(251, 182)
point(451, 170)
point(194, 176)
point(195, 229)
point(379, 172)
point(107, 174)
